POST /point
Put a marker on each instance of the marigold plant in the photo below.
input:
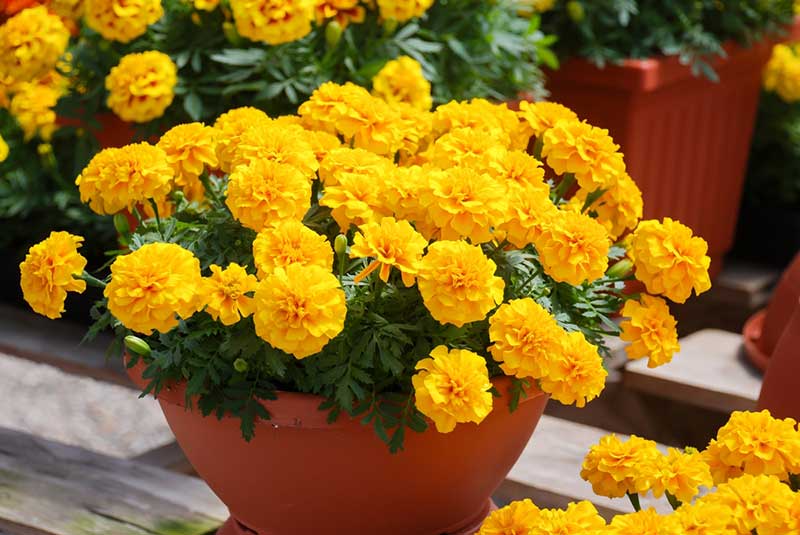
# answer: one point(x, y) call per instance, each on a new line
point(409, 286)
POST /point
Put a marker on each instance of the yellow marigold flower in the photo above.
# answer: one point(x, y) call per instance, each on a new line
point(755, 443)
point(328, 105)
point(682, 473)
point(370, 123)
point(452, 387)
point(788, 526)
point(669, 260)
point(645, 522)
point(516, 518)
point(344, 160)
point(299, 309)
point(120, 178)
point(391, 243)
point(3, 149)
point(33, 107)
point(529, 210)
point(542, 116)
point(122, 20)
point(698, 519)
point(31, 43)
point(273, 21)
point(576, 375)
point(618, 209)
point(355, 198)
point(290, 242)
point(414, 129)
point(480, 114)
point(615, 468)
point(229, 126)
point(782, 73)
point(753, 502)
point(48, 273)
point(276, 143)
point(189, 149)
point(344, 11)
point(401, 80)
point(403, 10)
point(322, 143)
point(141, 86)
point(205, 5)
point(457, 283)
point(579, 518)
point(263, 193)
point(463, 203)
point(518, 170)
point(651, 331)
point(225, 293)
point(586, 151)
point(469, 147)
point(403, 190)
point(67, 9)
point(153, 286)
point(573, 247)
point(526, 338)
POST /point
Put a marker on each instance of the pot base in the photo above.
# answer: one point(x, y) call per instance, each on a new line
point(234, 527)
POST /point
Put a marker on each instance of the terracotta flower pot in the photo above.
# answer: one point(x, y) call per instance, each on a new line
point(685, 138)
point(303, 476)
point(779, 389)
point(763, 329)
point(112, 132)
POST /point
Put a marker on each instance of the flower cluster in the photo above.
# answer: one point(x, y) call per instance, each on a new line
point(31, 43)
point(122, 20)
point(782, 73)
point(366, 244)
point(754, 461)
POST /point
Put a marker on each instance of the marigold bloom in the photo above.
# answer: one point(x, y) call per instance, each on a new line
point(401, 80)
point(120, 178)
point(782, 73)
point(205, 5)
point(280, 144)
point(153, 286)
point(403, 10)
point(322, 143)
point(328, 105)
point(618, 209)
point(682, 473)
point(141, 86)
point(573, 247)
point(586, 151)
point(615, 468)
point(345, 160)
point(31, 43)
point(457, 283)
point(480, 114)
point(3, 149)
point(755, 443)
point(753, 502)
point(263, 193)
point(189, 149)
point(469, 147)
point(391, 243)
point(48, 273)
point(273, 21)
point(72, 10)
point(229, 126)
point(790, 525)
point(122, 20)
point(698, 519)
point(542, 116)
point(669, 260)
point(299, 309)
point(224, 293)
point(651, 331)
point(516, 518)
point(579, 518)
point(518, 170)
point(403, 191)
point(370, 123)
point(529, 210)
point(645, 522)
point(463, 203)
point(355, 198)
point(452, 387)
point(414, 130)
point(290, 242)
point(33, 107)
point(577, 374)
point(526, 338)
point(344, 11)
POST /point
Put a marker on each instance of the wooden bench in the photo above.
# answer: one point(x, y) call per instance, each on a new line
point(47, 488)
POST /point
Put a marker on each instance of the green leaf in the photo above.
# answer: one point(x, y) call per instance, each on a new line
point(193, 106)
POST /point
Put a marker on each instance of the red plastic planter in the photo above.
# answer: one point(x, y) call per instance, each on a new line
point(112, 132)
point(779, 389)
point(686, 139)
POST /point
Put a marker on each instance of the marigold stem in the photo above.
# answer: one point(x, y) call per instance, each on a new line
point(566, 182)
point(634, 498)
point(91, 280)
point(673, 501)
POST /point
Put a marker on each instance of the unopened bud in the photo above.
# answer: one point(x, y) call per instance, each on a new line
point(340, 244)
point(240, 365)
point(333, 32)
point(575, 11)
point(620, 269)
point(137, 345)
point(121, 224)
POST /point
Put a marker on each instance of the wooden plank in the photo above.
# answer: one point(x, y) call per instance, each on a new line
point(710, 371)
point(169, 457)
point(58, 343)
point(54, 489)
point(548, 471)
point(745, 284)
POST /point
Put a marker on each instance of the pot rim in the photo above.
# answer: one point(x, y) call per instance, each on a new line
point(751, 338)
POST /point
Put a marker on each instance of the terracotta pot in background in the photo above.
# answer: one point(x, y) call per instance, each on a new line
point(112, 132)
point(779, 391)
point(303, 476)
point(763, 329)
point(685, 138)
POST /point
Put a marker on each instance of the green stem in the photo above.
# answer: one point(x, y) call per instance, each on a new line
point(91, 280)
point(634, 498)
point(794, 482)
point(206, 181)
point(537, 148)
point(673, 501)
point(342, 261)
point(566, 182)
point(154, 206)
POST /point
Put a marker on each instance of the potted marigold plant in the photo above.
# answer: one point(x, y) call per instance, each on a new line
point(356, 315)
point(677, 84)
point(749, 473)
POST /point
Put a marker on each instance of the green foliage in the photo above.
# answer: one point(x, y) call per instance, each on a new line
point(693, 30)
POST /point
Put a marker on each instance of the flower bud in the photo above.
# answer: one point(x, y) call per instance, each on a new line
point(333, 32)
point(575, 11)
point(137, 345)
point(389, 26)
point(620, 269)
point(231, 34)
point(240, 365)
point(121, 224)
point(340, 244)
